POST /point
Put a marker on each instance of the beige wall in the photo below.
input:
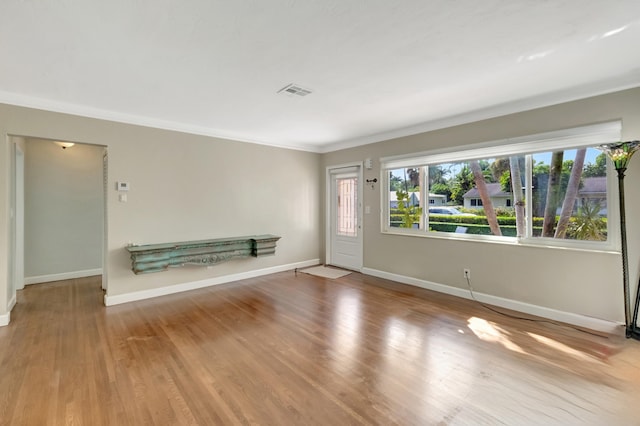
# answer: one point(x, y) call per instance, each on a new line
point(63, 208)
point(183, 187)
point(586, 283)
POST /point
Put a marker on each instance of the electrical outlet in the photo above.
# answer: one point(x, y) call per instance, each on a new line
point(467, 273)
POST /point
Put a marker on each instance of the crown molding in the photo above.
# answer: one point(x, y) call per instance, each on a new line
point(627, 81)
point(622, 82)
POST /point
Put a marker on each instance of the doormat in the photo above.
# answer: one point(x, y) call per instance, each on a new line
point(326, 272)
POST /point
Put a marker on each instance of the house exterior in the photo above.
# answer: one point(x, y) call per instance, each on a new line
point(498, 197)
point(414, 199)
point(592, 190)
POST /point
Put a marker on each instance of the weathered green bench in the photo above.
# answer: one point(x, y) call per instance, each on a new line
point(159, 257)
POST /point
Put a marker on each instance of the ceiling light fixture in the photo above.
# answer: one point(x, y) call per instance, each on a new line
point(64, 145)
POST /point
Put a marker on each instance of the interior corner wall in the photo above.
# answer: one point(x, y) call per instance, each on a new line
point(586, 283)
point(64, 204)
point(16, 279)
point(182, 187)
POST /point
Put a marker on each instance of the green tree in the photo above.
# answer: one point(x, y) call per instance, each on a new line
point(437, 174)
point(395, 182)
point(498, 168)
point(553, 194)
point(414, 177)
point(588, 225)
point(487, 171)
point(410, 214)
point(440, 188)
point(598, 169)
point(438, 181)
point(484, 195)
point(462, 182)
point(505, 181)
point(540, 181)
point(572, 192)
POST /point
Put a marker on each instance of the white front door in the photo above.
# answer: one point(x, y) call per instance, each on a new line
point(345, 228)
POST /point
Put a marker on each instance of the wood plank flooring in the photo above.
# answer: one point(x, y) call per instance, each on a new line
point(290, 349)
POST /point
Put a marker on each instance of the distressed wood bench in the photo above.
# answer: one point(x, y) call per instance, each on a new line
point(159, 257)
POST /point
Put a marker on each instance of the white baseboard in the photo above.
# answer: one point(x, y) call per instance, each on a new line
point(179, 288)
point(540, 311)
point(63, 276)
point(4, 319)
point(12, 303)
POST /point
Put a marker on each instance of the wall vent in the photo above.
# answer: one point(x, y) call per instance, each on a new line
point(294, 89)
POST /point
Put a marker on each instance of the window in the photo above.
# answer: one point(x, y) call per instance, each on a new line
point(346, 214)
point(552, 188)
point(405, 207)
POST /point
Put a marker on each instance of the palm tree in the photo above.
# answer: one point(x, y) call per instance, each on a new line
point(437, 174)
point(414, 177)
point(553, 194)
point(588, 225)
point(484, 195)
point(571, 194)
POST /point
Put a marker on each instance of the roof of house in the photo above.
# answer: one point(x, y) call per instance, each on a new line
point(591, 185)
point(594, 185)
point(394, 197)
point(493, 189)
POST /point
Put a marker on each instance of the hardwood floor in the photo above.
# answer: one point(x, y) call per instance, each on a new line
point(290, 349)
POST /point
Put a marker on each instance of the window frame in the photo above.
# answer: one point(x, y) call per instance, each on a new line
point(573, 138)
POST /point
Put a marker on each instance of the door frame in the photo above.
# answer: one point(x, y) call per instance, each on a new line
point(105, 217)
point(328, 212)
point(15, 261)
point(19, 219)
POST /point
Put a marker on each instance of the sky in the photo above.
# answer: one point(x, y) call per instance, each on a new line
point(545, 157)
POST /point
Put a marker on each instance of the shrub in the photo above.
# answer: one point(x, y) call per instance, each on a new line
point(478, 225)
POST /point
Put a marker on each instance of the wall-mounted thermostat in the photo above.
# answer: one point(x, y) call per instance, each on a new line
point(122, 186)
point(368, 164)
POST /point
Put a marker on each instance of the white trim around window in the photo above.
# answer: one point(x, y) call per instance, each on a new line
point(527, 146)
point(563, 139)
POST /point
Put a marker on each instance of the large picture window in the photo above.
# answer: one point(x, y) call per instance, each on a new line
point(553, 188)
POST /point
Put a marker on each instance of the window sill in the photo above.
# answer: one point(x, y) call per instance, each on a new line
point(490, 239)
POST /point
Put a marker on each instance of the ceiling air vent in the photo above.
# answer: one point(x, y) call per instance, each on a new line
point(292, 89)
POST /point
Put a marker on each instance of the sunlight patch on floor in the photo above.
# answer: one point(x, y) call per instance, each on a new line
point(534, 344)
point(490, 333)
point(562, 347)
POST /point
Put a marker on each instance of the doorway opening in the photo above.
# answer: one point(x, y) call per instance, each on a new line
point(59, 200)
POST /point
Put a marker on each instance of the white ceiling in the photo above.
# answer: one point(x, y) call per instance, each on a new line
point(377, 68)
